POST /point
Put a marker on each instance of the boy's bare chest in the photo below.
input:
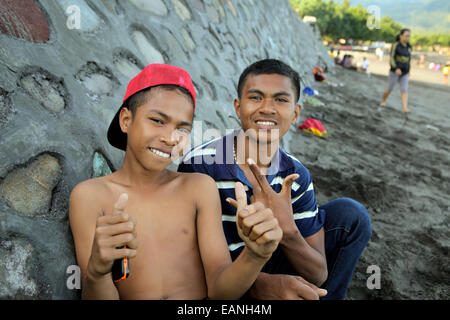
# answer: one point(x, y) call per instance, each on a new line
point(167, 252)
point(164, 219)
point(162, 214)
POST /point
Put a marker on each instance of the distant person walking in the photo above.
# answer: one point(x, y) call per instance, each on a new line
point(400, 62)
point(379, 52)
point(445, 71)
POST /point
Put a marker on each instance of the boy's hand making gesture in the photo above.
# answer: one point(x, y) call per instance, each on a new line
point(112, 232)
point(256, 224)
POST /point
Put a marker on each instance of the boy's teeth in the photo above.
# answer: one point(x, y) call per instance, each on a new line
point(160, 153)
point(266, 123)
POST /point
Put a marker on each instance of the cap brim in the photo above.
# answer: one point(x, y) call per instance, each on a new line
point(115, 136)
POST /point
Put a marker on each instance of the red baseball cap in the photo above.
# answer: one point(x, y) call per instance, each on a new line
point(152, 75)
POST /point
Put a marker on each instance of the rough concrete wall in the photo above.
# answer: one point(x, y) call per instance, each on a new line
point(60, 87)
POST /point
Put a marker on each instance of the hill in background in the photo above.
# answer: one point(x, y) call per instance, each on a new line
point(424, 16)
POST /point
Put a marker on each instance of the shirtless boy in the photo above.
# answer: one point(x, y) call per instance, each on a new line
point(168, 223)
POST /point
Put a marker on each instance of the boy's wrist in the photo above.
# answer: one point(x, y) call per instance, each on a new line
point(253, 256)
point(290, 235)
point(258, 286)
point(99, 286)
point(93, 276)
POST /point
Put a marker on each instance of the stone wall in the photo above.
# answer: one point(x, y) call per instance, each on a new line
point(60, 86)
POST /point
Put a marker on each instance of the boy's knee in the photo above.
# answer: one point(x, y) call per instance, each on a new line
point(359, 216)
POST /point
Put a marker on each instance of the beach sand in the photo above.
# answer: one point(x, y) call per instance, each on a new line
point(398, 167)
point(417, 72)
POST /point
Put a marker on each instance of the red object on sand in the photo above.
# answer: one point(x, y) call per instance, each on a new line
point(317, 70)
point(313, 126)
point(318, 74)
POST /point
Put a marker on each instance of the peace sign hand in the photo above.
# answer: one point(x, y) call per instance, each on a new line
point(280, 203)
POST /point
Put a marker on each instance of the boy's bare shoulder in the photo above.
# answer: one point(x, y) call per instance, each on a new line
point(90, 186)
point(89, 192)
point(199, 187)
point(197, 180)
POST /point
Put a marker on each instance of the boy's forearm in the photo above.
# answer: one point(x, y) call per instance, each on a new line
point(99, 288)
point(307, 261)
point(237, 278)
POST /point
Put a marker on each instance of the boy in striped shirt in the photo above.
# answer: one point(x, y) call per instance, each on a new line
point(321, 244)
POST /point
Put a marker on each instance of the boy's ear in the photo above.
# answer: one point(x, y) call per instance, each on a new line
point(297, 110)
point(237, 107)
point(125, 118)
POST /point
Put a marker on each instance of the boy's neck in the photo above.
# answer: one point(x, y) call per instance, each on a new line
point(134, 175)
point(261, 152)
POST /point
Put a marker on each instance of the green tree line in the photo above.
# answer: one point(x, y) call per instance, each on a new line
point(342, 20)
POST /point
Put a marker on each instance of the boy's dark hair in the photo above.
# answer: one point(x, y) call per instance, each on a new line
point(270, 66)
point(141, 97)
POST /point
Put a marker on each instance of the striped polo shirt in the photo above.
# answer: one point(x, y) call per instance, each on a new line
point(215, 158)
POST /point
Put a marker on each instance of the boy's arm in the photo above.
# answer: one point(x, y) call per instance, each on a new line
point(227, 280)
point(392, 55)
point(83, 213)
point(305, 252)
point(95, 244)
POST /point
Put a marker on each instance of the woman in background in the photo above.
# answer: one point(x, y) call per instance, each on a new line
point(400, 63)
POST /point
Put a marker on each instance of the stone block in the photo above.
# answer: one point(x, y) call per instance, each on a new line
point(23, 19)
point(28, 190)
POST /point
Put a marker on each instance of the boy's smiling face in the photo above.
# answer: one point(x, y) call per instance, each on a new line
point(268, 104)
point(160, 128)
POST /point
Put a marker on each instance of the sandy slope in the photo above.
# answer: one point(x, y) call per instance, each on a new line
point(398, 167)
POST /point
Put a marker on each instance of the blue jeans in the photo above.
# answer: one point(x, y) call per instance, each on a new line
point(347, 231)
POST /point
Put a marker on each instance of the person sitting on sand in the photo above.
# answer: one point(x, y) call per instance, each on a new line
point(347, 62)
point(337, 59)
point(332, 53)
point(400, 62)
point(175, 217)
point(321, 245)
point(318, 74)
point(344, 58)
point(364, 65)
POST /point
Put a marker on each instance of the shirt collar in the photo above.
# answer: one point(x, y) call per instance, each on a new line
point(224, 153)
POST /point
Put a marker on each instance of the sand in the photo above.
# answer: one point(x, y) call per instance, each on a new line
point(417, 73)
point(398, 167)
